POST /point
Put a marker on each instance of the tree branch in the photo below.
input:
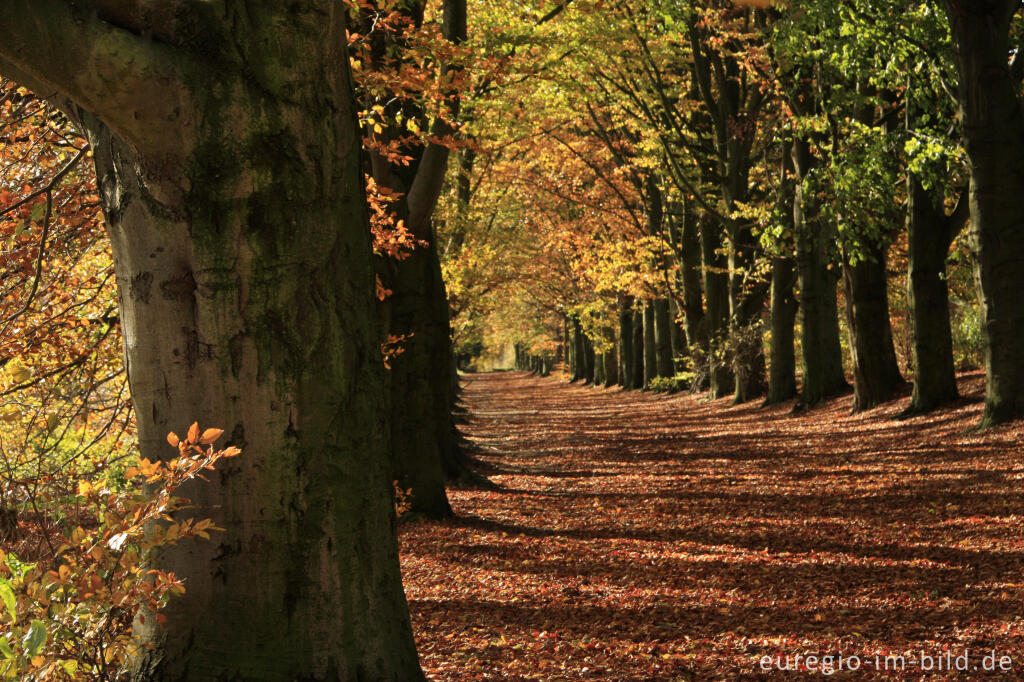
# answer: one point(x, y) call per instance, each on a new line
point(131, 82)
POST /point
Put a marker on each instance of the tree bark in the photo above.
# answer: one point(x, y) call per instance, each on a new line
point(235, 208)
point(663, 338)
point(876, 372)
point(782, 375)
point(638, 348)
point(930, 233)
point(649, 344)
point(611, 368)
point(423, 437)
point(993, 126)
point(626, 367)
point(822, 351)
point(716, 292)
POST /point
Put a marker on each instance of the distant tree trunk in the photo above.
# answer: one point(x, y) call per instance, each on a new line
point(782, 376)
point(663, 338)
point(677, 333)
point(627, 368)
point(993, 126)
point(716, 292)
point(611, 368)
point(599, 375)
point(579, 352)
point(875, 368)
point(822, 351)
point(650, 344)
point(638, 348)
point(930, 234)
point(588, 359)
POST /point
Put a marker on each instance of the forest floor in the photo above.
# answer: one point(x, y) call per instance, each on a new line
point(650, 537)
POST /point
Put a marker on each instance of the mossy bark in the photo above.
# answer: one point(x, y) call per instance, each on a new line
point(235, 207)
point(782, 370)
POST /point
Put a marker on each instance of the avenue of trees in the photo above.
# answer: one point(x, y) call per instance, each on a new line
point(314, 210)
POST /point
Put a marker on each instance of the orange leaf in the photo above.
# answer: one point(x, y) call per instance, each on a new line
point(193, 433)
point(173, 439)
point(210, 435)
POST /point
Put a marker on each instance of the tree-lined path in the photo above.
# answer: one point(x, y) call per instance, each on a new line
point(642, 537)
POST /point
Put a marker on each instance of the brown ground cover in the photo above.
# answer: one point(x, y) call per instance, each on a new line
point(649, 537)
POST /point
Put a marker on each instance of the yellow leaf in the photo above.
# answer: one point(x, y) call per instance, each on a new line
point(84, 488)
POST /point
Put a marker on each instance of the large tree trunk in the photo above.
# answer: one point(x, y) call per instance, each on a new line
point(782, 373)
point(822, 351)
point(627, 368)
point(242, 253)
point(993, 126)
point(876, 371)
point(930, 234)
point(716, 293)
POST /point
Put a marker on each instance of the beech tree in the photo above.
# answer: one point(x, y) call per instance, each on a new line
point(227, 155)
point(993, 125)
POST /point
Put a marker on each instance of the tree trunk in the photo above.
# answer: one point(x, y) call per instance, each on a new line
point(930, 234)
point(746, 305)
point(627, 368)
point(876, 371)
point(993, 126)
point(650, 344)
point(611, 369)
point(716, 292)
point(579, 353)
point(663, 338)
point(599, 375)
point(589, 360)
point(243, 262)
point(423, 438)
point(822, 351)
point(638, 348)
point(782, 376)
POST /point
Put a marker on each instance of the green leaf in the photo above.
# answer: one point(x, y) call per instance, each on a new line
point(36, 638)
point(6, 649)
point(7, 594)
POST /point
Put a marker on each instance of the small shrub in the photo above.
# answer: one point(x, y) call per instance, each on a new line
point(69, 617)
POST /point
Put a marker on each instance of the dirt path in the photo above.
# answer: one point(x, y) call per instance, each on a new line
point(648, 537)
